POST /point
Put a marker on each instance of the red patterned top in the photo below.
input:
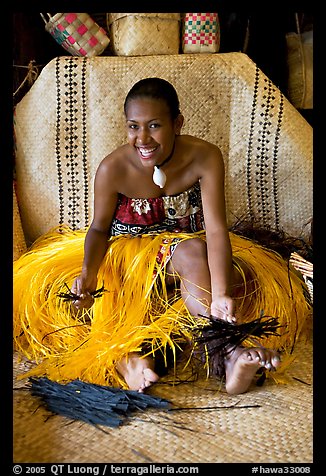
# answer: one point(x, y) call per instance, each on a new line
point(181, 212)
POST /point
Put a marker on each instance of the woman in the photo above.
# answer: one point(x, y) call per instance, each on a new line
point(160, 245)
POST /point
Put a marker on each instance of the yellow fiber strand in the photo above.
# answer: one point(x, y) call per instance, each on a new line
point(134, 313)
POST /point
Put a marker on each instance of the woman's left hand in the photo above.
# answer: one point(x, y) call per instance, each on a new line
point(223, 307)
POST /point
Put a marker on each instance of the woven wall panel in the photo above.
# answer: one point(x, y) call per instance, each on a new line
point(73, 116)
point(19, 243)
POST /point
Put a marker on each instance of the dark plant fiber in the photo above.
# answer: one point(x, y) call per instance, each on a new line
point(91, 403)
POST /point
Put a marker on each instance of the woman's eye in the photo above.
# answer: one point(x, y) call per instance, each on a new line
point(154, 126)
point(132, 126)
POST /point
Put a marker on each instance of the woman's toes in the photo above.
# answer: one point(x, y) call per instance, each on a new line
point(142, 387)
point(271, 362)
point(276, 361)
point(252, 355)
point(150, 376)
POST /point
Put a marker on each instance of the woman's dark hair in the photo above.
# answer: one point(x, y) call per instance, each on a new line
point(155, 88)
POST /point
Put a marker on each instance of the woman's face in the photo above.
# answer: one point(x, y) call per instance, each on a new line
point(151, 130)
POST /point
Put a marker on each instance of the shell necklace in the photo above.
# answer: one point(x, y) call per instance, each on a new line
point(159, 177)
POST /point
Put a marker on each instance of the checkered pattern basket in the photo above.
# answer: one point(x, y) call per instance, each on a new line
point(77, 33)
point(200, 33)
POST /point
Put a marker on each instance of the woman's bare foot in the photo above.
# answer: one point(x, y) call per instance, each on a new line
point(138, 372)
point(242, 364)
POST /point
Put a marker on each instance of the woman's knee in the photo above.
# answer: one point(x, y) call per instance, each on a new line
point(190, 253)
point(243, 280)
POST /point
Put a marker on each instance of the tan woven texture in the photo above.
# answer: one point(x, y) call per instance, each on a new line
point(300, 69)
point(134, 34)
point(72, 117)
point(270, 424)
point(19, 243)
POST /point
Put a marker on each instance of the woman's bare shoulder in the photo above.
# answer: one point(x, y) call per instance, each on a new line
point(113, 159)
point(199, 144)
point(115, 163)
point(202, 151)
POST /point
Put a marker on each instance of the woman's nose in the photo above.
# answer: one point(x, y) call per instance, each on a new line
point(143, 135)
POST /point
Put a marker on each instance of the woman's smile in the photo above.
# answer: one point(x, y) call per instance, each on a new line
point(147, 152)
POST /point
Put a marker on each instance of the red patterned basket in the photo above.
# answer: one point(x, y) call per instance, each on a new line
point(200, 33)
point(77, 33)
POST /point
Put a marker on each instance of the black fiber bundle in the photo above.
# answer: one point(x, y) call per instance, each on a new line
point(91, 403)
point(276, 240)
point(226, 336)
point(216, 338)
point(70, 296)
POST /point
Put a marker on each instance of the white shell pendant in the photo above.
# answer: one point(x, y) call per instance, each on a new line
point(159, 177)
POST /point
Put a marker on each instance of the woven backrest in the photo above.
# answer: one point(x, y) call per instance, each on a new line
point(72, 117)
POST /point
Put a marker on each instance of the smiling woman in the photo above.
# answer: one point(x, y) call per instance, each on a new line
point(160, 251)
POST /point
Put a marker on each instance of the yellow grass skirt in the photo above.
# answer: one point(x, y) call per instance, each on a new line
point(134, 311)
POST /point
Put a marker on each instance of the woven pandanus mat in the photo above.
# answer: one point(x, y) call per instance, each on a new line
point(270, 424)
point(72, 117)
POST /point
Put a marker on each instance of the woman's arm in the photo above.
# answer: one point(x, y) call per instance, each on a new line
point(217, 235)
point(96, 240)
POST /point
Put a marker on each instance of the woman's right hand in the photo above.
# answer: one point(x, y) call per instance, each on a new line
point(83, 286)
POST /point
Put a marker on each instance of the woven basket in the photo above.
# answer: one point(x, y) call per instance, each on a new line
point(300, 69)
point(304, 267)
point(77, 33)
point(142, 34)
point(200, 33)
